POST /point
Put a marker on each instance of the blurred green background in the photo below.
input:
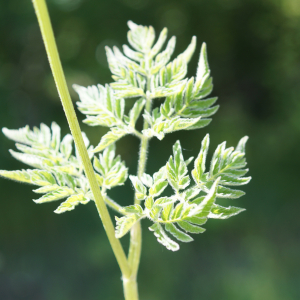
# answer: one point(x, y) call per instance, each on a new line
point(254, 54)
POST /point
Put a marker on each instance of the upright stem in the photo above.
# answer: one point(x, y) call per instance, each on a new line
point(130, 284)
point(55, 64)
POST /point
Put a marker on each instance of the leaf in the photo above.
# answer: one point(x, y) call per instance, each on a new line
point(173, 72)
point(60, 193)
point(199, 124)
point(232, 180)
point(100, 105)
point(140, 37)
point(71, 202)
point(177, 169)
point(149, 202)
point(113, 171)
point(133, 209)
point(190, 227)
point(66, 146)
point(166, 212)
point(37, 177)
point(158, 188)
point(135, 111)
point(163, 58)
point(242, 144)
point(164, 201)
point(55, 140)
point(135, 55)
point(178, 234)
point(112, 136)
point(203, 209)
point(227, 164)
point(180, 124)
point(125, 223)
point(220, 212)
point(188, 53)
point(163, 238)
point(147, 180)
point(167, 89)
point(155, 212)
point(160, 42)
point(224, 192)
point(127, 91)
point(32, 160)
point(19, 135)
point(195, 220)
point(46, 189)
point(203, 67)
point(190, 193)
point(140, 189)
point(199, 165)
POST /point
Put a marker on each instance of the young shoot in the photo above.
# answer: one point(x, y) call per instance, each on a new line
point(79, 174)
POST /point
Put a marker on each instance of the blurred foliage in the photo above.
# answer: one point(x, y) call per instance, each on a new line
point(254, 53)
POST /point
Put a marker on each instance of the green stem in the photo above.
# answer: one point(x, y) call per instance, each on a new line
point(130, 286)
point(130, 289)
point(55, 64)
point(114, 205)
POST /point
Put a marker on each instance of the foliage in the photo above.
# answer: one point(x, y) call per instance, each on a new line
point(147, 73)
point(58, 173)
point(191, 205)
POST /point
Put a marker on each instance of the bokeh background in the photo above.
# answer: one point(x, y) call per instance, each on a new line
point(254, 54)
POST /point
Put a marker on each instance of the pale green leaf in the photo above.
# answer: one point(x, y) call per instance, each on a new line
point(125, 223)
point(147, 180)
point(224, 192)
point(206, 205)
point(71, 202)
point(135, 111)
point(203, 67)
point(164, 201)
point(199, 164)
point(112, 136)
point(140, 189)
point(60, 193)
point(133, 209)
point(188, 53)
point(220, 212)
point(190, 227)
point(158, 188)
point(32, 160)
point(178, 234)
point(37, 177)
point(163, 238)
